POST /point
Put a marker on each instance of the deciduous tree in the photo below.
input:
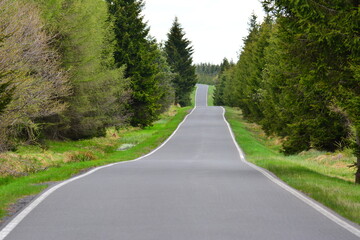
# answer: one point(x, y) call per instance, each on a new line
point(34, 73)
point(100, 93)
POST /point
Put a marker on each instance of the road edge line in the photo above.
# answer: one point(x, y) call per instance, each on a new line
point(311, 202)
point(207, 93)
point(8, 228)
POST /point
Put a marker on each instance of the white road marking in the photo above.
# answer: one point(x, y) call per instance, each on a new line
point(13, 223)
point(291, 190)
point(207, 92)
point(16, 220)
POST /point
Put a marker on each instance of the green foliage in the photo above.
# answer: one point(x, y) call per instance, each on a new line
point(100, 90)
point(32, 72)
point(220, 83)
point(138, 52)
point(298, 75)
point(323, 176)
point(78, 68)
point(211, 95)
point(164, 80)
point(324, 40)
point(207, 73)
point(179, 56)
point(298, 100)
point(74, 159)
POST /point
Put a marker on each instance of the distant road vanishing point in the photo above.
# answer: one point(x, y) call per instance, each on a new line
point(194, 187)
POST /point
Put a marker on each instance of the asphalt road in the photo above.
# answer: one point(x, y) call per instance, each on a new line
point(195, 187)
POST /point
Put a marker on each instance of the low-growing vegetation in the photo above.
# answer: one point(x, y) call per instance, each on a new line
point(30, 169)
point(324, 176)
point(210, 99)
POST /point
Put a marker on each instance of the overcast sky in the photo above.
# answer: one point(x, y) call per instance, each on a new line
point(215, 27)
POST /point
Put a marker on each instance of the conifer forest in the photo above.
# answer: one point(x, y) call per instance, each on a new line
point(70, 69)
point(298, 75)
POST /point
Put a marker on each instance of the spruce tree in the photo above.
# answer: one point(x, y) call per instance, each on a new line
point(179, 56)
point(324, 45)
point(135, 50)
point(220, 83)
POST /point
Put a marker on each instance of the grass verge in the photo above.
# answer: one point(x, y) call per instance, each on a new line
point(210, 98)
point(62, 160)
point(322, 176)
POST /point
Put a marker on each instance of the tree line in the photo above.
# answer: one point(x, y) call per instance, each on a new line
point(207, 73)
point(69, 69)
point(298, 75)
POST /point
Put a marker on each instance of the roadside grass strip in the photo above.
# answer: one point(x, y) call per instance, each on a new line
point(18, 218)
point(328, 181)
point(76, 157)
point(210, 99)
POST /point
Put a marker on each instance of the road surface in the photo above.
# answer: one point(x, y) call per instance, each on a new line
point(195, 187)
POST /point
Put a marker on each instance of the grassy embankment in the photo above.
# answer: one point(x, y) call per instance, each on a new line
point(323, 176)
point(210, 100)
point(30, 169)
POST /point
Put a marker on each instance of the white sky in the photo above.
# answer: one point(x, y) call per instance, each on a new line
point(215, 27)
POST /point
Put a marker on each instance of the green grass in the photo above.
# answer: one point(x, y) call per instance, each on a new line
point(193, 97)
point(210, 100)
point(323, 176)
point(66, 159)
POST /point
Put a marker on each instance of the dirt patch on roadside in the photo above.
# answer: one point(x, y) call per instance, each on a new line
point(22, 203)
point(16, 208)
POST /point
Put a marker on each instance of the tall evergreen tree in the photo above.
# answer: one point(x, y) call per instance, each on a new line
point(179, 56)
point(220, 83)
point(328, 34)
point(138, 52)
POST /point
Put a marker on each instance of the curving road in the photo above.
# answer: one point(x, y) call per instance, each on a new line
point(195, 187)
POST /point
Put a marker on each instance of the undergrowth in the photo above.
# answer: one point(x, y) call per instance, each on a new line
point(30, 169)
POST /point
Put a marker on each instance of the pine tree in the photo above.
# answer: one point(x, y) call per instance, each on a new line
point(179, 56)
point(135, 50)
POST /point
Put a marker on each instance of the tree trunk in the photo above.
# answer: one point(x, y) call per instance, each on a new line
point(357, 153)
point(357, 174)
